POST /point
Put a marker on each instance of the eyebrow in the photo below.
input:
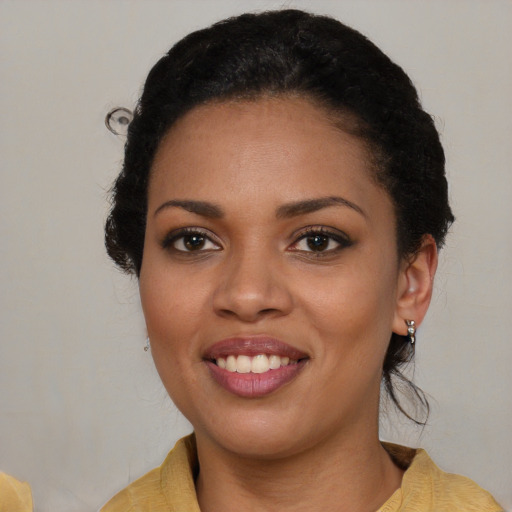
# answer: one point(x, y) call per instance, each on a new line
point(313, 205)
point(213, 211)
point(202, 208)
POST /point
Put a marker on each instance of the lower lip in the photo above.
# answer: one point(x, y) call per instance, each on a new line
point(254, 385)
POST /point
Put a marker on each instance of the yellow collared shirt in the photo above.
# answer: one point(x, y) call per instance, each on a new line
point(15, 496)
point(425, 488)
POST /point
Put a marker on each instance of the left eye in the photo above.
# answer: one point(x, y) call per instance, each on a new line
point(319, 242)
point(316, 243)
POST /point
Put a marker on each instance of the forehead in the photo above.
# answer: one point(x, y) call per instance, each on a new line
point(271, 149)
point(282, 130)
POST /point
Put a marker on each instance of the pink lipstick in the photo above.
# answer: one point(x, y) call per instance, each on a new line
point(253, 367)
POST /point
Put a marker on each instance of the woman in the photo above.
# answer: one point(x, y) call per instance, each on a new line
point(282, 202)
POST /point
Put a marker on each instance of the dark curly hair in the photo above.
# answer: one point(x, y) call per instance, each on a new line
point(294, 52)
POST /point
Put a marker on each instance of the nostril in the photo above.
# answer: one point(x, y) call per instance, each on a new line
point(248, 314)
point(267, 310)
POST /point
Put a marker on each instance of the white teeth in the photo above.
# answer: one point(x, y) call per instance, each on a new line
point(231, 364)
point(274, 362)
point(243, 364)
point(260, 363)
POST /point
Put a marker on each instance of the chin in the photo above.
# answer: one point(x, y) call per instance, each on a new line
point(258, 435)
point(263, 447)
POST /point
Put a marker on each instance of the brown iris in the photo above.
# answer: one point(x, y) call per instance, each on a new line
point(318, 242)
point(194, 242)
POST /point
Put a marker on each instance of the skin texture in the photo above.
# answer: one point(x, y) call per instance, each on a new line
point(257, 275)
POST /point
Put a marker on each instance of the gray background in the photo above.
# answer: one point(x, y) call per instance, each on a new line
point(82, 411)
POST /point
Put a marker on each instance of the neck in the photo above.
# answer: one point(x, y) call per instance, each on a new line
point(338, 475)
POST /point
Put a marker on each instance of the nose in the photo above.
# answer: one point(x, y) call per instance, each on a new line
point(252, 287)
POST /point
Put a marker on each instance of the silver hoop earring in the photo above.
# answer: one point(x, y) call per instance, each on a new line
point(148, 346)
point(411, 331)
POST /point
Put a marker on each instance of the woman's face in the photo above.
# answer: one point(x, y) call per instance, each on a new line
point(270, 276)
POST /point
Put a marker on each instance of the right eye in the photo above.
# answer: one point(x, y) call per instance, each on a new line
point(190, 240)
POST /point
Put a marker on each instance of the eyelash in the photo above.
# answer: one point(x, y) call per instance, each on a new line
point(174, 236)
point(340, 238)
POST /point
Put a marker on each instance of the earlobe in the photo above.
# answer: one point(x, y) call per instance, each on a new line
point(415, 286)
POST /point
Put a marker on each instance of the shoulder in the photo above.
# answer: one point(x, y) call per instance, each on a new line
point(449, 490)
point(15, 495)
point(425, 487)
point(139, 495)
point(163, 488)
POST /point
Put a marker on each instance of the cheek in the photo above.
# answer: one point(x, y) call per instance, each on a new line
point(352, 309)
point(171, 310)
point(171, 313)
point(170, 297)
point(350, 294)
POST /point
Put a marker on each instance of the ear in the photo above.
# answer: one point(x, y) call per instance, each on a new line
point(415, 285)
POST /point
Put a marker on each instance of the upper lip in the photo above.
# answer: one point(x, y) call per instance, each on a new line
point(252, 346)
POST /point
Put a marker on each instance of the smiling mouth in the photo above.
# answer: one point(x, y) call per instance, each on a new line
point(260, 363)
point(255, 366)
